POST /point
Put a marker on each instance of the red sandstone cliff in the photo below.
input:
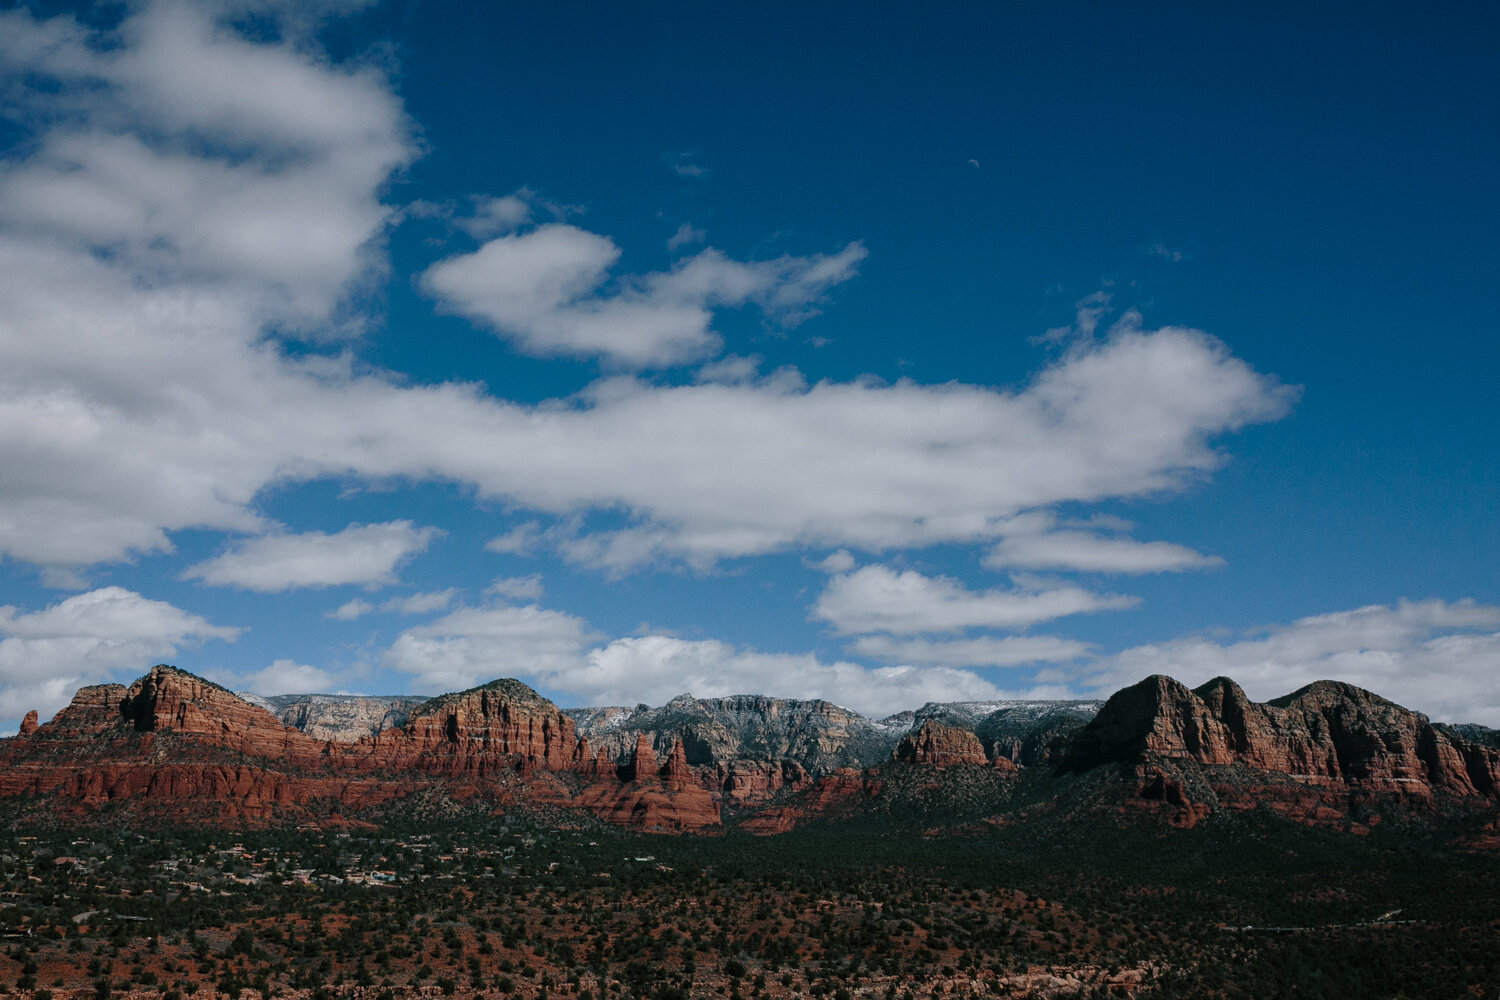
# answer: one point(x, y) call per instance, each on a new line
point(940, 746)
point(181, 748)
point(184, 748)
point(1327, 734)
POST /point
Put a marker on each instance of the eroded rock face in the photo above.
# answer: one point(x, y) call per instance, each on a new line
point(940, 746)
point(502, 718)
point(339, 718)
point(28, 724)
point(182, 747)
point(818, 735)
point(748, 783)
point(1328, 733)
point(178, 747)
point(175, 701)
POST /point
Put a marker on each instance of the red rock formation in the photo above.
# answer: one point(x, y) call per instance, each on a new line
point(172, 700)
point(645, 804)
point(183, 748)
point(676, 769)
point(747, 783)
point(940, 746)
point(643, 761)
point(178, 747)
point(1328, 733)
point(839, 794)
point(503, 718)
point(663, 799)
point(28, 724)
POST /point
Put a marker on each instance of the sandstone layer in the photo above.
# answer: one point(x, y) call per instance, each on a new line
point(1328, 734)
point(180, 748)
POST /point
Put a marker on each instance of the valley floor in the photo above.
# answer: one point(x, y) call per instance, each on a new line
point(1248, 906)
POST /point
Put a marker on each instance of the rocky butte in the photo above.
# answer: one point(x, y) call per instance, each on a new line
point(174, 747)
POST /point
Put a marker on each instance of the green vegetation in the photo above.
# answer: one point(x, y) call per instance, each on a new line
point(1249, 906)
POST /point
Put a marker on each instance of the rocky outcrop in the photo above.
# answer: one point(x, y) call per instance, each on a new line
point(181, 748)
point(940, 746)
point(502, 718)
point(174, 701)
point(747, 783)
point(655, 797)
point(642, 759)
point(338, 718)
point(676, 768)
point(28, 724)
point(818, 735)
point(1328, 734)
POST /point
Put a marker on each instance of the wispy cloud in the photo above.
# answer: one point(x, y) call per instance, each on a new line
point(364, 554)
point(879, 599)
point(1034, 541)
point(414, 604)
point(545, 291)
point(686, 165)
point(686, 235)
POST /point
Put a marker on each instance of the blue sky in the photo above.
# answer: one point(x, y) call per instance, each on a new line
point(872, 354)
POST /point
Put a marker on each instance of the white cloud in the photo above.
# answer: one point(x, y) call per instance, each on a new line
point(982, 651)
point(365, 554)
point(521, 540)
point(556, 651)
point(518, 588)
point(273, 136)
point(350, 610)
point(157, 228)
point(45, 655)
point(474, 645)
point(841, 561)
point(423, 603)
point(879, 599)
point(733, 369)
point(686, 235)
point(414, 604)
point(542, 289)
point(655, 668)
point(1436, 657)
point(290, 677)
point(1031, 542)
point(497, 216)
point(1087, 314)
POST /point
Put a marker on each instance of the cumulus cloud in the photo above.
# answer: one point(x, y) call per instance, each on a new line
point(879, 599)
point(290, 677)
point(152, 230)
point(1438, 657)
point(365, 554)
point(194, 145)
point(497, 216)
point(1031, 542)
point(46, 655)
point(474, 645)
point(654, 668)
point(542, 289)
point(559, 652)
